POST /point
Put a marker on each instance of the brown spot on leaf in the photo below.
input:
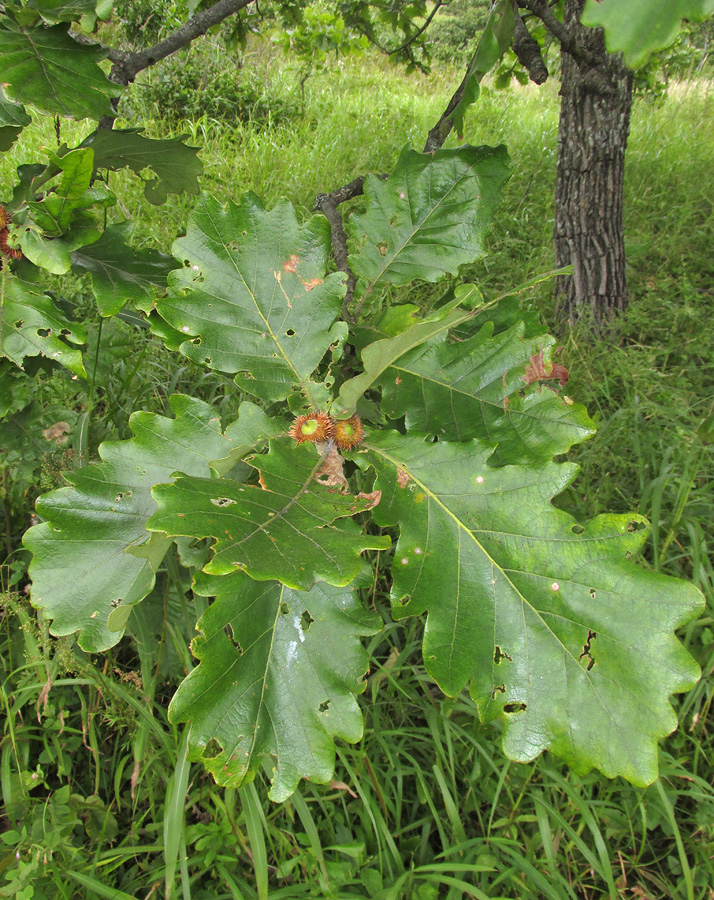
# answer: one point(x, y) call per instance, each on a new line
point(536, 371)
point(291, 267)
point(330, 472)
point(397, 380)
point(57, 432)
point(291, 264)
point(373, 497)
point(403, 478)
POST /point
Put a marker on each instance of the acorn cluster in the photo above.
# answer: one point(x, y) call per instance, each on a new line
point(5, 248)
point(319, 428)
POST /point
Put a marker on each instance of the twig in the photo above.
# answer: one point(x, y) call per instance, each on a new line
point(527, 50)
point(328, 207)
point(421, 31)
point(407, 45)
point(442, 129)
point(542, 11)
point(594, 80)
point(126, 66)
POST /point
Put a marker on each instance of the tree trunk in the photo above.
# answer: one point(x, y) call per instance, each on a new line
point(592, 135)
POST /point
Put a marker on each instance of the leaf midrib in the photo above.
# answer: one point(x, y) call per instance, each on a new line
point(460, 525)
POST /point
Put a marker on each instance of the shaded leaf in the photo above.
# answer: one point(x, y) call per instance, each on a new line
point(559, 634)
point(176, 166)
point(33, 326)
point(25, 189)
point(47, 68)
point(638, 29)
point(495, 40)
point(278, 674)
point(93, 524)
point(13, 119)
point(281, 529)
point(55, 11)
point(478, 388)
point(120, 272)
point(251, 295)
point(16, 389)
point(429, 217)
point(55, 254)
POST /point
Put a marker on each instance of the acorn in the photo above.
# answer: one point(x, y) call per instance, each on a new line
point(348, 433)
point(5, 248)
point(313, 427)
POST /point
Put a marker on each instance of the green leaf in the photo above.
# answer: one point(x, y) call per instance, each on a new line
point(278, 674)
point(60, 223)
point(176, 166)
point(47, 68)
point(378, 356)
point(13, 119)
point(92, 524)
point(281, 529)
point(495, 40)
point(638, 29)
point(252, 295)
point(120, 273)
point(560, 635)
point(17, 389)
point(477, 388)
point(253, 428)
point(31, 325)
point(429, 217)
point(64, 206)
point(25, 189)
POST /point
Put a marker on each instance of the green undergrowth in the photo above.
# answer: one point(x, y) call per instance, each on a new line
point(426, 806)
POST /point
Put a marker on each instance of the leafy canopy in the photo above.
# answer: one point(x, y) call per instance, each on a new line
point(541, 616)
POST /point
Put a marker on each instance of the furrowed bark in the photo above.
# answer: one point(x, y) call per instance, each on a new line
point(592, 136)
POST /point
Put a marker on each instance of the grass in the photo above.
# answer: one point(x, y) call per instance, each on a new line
point(425, 806)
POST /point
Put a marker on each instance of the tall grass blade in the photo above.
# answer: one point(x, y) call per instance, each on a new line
point(683, 861)
point(98, 888)
point(254, 823)
point(174, 814)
